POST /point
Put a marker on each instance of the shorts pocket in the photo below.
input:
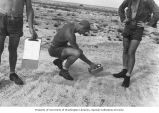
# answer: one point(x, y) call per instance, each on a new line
point(15, 27)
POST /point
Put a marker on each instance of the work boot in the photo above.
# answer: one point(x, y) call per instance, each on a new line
point(15, 78)
point(65, 74)
point(58, 63)
point(121, 74)
point(126, 82)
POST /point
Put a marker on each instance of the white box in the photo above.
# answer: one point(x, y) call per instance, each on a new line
point(31, 54)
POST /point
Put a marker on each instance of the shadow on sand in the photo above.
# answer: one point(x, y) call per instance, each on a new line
point(4, 83)
point(80, 74)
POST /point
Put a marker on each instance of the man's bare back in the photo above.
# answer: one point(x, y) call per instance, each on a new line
point(12, 7)
point(64, 35)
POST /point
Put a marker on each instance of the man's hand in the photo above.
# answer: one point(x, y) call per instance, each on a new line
point(93, 66)
point(141, 24)
point(33, 34)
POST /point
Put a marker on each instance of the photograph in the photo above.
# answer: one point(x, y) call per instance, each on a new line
point(79, 54)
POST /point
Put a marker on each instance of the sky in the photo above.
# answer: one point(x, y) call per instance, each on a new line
point(107, 3)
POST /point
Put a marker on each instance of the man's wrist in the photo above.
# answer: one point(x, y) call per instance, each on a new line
point(149, 24)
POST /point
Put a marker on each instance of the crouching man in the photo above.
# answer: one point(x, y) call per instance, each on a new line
point(60, 49)
point(11, 24)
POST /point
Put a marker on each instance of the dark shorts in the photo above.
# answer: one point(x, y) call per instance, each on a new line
point(12, 27)
point(133, 33)
point(57, 51)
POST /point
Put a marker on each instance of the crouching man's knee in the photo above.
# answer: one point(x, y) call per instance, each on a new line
point(78, 53)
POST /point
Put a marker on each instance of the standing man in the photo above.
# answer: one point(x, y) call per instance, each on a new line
point(140, 14)
point(11, 24)
point(60, 49)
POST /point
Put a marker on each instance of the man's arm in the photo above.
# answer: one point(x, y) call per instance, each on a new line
point(121, 10)
point(72, 41)
point(155, 10)
point(30, 18)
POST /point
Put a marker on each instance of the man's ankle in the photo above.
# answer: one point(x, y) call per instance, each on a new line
point(125, 68)
point(65, 68)
point(12, 72)
point(128, 74)
point(124, 71)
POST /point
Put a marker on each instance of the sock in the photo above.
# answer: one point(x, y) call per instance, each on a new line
point(128, 74)
point(124, 71)
point(124, 68)
point(65, 68)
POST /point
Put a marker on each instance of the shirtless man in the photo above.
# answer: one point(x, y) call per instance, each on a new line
point(139, 16)
point(59, 47)
point(11, 24)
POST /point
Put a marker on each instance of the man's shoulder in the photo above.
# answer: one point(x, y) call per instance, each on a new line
point(66, 29)
point(69, 27)
point(69, 24)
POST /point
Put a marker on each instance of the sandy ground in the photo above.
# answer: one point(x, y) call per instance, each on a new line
point(44, 87)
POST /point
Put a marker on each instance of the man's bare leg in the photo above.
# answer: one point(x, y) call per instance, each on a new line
point(72, 55)
point(126, 45)
point(78, 54)
point(13, 45)
point(131, 61)
point(132, 51)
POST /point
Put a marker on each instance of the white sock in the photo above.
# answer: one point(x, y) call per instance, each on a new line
point(65, 68)
point(128, 74)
